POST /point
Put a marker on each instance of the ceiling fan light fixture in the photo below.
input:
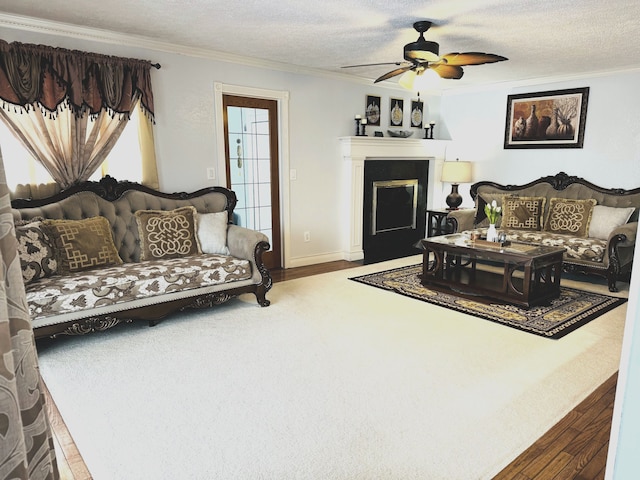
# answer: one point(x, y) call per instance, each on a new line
point(419, 80)
point(406, 79)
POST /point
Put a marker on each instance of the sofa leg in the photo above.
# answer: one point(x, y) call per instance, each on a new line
point(612, 283)
point(261, 296)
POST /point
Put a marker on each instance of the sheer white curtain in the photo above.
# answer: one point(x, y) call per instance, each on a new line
point(69, 146)
point(67, 107)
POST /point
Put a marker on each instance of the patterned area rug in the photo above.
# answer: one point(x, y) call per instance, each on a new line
point(571, 310)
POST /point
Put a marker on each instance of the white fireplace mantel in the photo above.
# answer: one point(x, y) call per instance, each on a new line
point(354, 152)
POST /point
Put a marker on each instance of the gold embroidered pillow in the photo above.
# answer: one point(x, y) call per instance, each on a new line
point(82, 244)
point(570, 217)
point(167, 234)
point(522, 213)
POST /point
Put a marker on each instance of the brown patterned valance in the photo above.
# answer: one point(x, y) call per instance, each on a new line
point(55, 78)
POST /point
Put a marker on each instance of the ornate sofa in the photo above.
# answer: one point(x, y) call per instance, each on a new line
point(597, 226)
point(102, 253)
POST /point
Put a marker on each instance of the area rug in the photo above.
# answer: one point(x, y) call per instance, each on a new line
point(334, 380)
point(571, 310)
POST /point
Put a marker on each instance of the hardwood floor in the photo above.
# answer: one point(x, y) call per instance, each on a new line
point(575, 448)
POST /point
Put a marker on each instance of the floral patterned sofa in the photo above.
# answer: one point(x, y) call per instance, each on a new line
point(596, 225)
point(107, 252)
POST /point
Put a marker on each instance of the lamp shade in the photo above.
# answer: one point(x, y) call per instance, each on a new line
point(456, 172)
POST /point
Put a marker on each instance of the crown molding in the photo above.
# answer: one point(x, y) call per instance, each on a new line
point(31, 24)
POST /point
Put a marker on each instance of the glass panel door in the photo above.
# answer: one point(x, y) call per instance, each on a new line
point(251, 136)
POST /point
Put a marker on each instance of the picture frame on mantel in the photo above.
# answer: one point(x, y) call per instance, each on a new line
point(417, 113)
point(372, 110)
point(396, 112)
point(551, 119)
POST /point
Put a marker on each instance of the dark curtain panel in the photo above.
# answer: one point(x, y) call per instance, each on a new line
point(55, 78)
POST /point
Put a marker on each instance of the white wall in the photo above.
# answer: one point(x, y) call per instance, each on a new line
point(322, 109)
point(475, 121)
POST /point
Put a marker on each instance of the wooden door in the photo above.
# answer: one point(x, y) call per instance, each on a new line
point(251, 151)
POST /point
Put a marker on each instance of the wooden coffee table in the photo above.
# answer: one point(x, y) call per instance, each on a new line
point(520, 274)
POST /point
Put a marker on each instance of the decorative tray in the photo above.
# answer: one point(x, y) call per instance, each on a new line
point(400, 133)
point(485, 243)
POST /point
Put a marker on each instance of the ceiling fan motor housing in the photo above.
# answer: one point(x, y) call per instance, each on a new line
point(422, 50)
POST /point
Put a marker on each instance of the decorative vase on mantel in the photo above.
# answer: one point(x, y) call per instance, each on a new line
point(492, 233)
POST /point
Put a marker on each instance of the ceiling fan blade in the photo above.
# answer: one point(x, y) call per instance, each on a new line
point(373, 64)
point(395, 72)
point(471, 58)
point(453, 72)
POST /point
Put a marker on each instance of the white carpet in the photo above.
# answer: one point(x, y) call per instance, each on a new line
point(335, 380)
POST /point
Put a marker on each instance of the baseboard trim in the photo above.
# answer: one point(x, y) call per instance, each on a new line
point(315, 259)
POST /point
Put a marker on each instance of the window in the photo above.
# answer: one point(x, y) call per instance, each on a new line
point(123, 163)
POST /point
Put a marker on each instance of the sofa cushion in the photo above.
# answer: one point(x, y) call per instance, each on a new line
point(131, 281)
point(569, 216)
point(167, 234)
point(584, 250)
point(522, 213)
point(212, 232)
point(82, 244)
point(606, 219)
point(35, 250)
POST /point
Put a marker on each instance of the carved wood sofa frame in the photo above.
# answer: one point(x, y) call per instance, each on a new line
point(110, 189)
point(616, 269)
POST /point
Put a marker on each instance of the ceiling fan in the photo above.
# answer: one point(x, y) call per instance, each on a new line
point(423, 55)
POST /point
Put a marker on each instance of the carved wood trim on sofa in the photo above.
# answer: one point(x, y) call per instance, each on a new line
point(562, 181)
point(110, 189)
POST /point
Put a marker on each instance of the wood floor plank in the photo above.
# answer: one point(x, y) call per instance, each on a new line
point(71, 466)
point(597, 430)
point(550, 454)
point(556, 465)
point(594, 469)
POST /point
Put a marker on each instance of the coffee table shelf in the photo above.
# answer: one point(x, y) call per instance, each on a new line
point(519, 274)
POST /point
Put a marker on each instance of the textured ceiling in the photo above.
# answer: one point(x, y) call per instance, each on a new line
point(541, 38)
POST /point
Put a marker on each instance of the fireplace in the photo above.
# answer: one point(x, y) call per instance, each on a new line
point(394, 208)
point(355, 151)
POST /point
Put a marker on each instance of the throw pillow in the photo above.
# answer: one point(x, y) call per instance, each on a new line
point(35, 250)
point(167, 234)
point(605, 219)
point(82, 244)
point(212, 232)
point(482, 200)
point(569, 216)
point(522, 213)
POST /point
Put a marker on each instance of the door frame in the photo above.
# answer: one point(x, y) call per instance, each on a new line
point(282, 99)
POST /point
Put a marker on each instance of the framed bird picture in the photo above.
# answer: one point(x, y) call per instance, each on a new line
point(551, 119)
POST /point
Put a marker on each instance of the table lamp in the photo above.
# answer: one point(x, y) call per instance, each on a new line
point(455, 173)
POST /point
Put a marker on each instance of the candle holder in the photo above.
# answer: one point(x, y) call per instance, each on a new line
point(364, 128)
point(357, 126)
point(428, 131)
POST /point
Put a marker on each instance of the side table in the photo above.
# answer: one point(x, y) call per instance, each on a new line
point(438, 223)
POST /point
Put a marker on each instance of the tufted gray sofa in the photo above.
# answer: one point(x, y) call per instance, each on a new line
point(100, 298)
point(610, 256)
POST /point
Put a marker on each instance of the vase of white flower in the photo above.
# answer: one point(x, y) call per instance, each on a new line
point(493, 212)
point(492, 233)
